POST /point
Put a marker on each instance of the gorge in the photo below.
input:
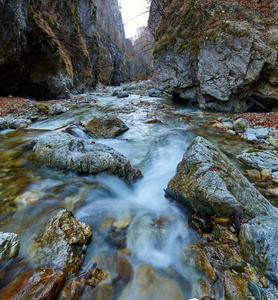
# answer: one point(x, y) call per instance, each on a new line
point(139, 170)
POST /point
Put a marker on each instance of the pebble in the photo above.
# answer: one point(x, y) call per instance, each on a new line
point(253, 288)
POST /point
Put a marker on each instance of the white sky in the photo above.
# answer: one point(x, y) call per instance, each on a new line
point(131, 9)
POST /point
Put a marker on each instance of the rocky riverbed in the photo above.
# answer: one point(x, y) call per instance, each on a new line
point(121, 193)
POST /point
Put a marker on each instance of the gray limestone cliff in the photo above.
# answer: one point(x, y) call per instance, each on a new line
point(218, 54)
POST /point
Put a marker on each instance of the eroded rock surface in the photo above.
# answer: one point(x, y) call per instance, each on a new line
point(223, 64)
point(63, 243)
point(207, 182)
point(43, 284)
point(66, 152)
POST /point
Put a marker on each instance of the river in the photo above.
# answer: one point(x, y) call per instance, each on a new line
point(158, 233)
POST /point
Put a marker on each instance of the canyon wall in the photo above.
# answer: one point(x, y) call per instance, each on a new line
point(51, 49)
point(217, 54)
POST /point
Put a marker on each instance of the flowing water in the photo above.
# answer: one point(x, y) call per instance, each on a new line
point(158, 233)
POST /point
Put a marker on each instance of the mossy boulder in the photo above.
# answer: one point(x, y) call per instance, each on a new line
point(207, 182)
point(44, 108)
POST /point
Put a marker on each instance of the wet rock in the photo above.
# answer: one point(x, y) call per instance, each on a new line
point(224, 234)
point(255, 174)
point(198, 221)
point(27, 198)
point(66, 152)
point(106, 223)
point(207, 182)
point(83, 285)
point(150, 285)
point(262, 133)
point(3, 123)
point(203, 288)
point(266, 175)
point(9, 246)
point(102, 292)
point(63, 243)
point(44, 108)
point(240, 125)
point(253, 288)
point(122, 223)
point(259, 245)
point(124, 271)
point(58, 109)
point(105, 127)
point(155, 93)
point(19, 123)
point(117, 239)
point(259, 159)
point(273, 142)
point(42, 284)
point(203, 263)
point(275, 177)
point(122, 95)
point(235, 287)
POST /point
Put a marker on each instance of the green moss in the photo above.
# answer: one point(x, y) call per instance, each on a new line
point(254, 151)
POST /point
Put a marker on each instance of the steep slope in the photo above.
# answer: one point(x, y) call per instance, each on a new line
point(47, 48)
point(218, 54)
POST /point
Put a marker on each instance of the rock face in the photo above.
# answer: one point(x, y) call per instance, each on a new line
point(42, 284)
point(207, 182)
point(48, 49)
point(106, 127)
point(9, 245)
point(259, 245)
point(67, 152)
point(63, 243)
point(259, 159)
point(221, 64)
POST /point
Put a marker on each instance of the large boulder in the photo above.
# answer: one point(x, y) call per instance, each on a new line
point(67, 152)
point(207, 182)
point(9, 245)
point(105, 127)
point(259, 159)
point(42, 284)
point(63, 243)
point(224, 64)
point(259, 245)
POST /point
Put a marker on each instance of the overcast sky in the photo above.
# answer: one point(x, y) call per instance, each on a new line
point(131, 9)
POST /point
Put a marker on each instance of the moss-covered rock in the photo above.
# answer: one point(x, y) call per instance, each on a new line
point(207, 182)
point(218, 54)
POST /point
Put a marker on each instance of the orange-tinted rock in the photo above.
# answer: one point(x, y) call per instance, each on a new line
point(42, 284)
point(235, 287)
point(83, 284)
point(63, 242)
point(203, 263)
